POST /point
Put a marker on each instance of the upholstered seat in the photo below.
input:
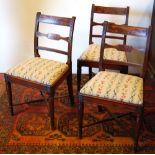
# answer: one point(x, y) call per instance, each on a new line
point(92, 53)
point(39, 70)
point(115, 86)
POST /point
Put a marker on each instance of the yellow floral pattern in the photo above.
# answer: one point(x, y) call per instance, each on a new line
point(92, 53)
point(39, 70)
point(115, 86)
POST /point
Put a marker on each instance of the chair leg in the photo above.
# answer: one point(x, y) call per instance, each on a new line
point(78, 76)
point(90, 73)
point(80, 115)
point(70, 89)
point(9, 93)
point(139, 117)
point(124, 70)
point(100, 108)
point(51, 109)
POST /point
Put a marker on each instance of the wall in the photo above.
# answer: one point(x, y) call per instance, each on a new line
point(17, 24)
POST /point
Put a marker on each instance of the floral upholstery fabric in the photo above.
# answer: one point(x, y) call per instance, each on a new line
point(39, 70)
point(115, 86)
point(93, 53)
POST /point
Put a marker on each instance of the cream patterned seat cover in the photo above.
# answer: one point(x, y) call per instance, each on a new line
point(115, 86)
point(92, 53)
point(39, 70)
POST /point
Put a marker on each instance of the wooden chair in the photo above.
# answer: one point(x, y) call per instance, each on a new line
point(43, 74)
point(90, 57)
point(111, 89)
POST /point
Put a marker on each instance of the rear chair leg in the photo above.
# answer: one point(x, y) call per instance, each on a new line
point(51, 109)
point(100, 108)
point(124, 70)
point(90, 73)
point(9, 94)
point(137, 128)
point(70, 89)
point(80, 115)
point(78, 76)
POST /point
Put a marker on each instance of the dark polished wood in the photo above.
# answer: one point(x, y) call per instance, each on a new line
point(118, 11)
point(9, 92)
point(124, 108)
point(49, 89)
point(152, 47)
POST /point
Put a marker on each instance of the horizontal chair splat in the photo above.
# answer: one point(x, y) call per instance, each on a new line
point(125, 48)
point(51, 50)
point(52, 36)
point(111, 62)
point(115, 37)
point(97, 24)
point(108, 36)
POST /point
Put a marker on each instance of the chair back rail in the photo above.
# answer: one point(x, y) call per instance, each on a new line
point(111, 10)
point(55, 20)
point(58, 21)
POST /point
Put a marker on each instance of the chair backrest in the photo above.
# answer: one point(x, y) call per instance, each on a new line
point(132, 50)
point(101, 10)
point(60, 22)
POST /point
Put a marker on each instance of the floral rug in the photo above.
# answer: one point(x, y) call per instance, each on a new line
point(29, 130)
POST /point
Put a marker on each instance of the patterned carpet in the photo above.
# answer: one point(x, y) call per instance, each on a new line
point(29, 130)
